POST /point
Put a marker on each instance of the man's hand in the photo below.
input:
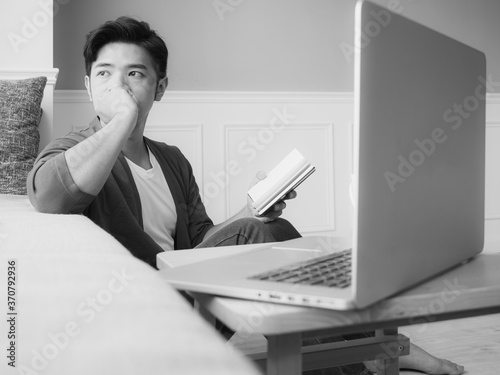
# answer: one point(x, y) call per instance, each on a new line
point(117, 102)
point(91, 160)
point(248, 211)
point(273, 212)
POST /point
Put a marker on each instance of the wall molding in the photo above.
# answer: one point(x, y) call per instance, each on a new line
point(492, 217)
point(12, 74)
point(493, 98)
point(81, 96)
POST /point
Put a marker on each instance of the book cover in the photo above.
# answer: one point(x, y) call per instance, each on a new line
point(283, 178)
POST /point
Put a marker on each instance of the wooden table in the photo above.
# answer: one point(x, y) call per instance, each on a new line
point(471, 289)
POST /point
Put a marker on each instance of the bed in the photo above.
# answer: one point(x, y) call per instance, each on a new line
point(75, 301)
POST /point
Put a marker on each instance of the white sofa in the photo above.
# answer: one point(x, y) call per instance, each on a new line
point(85, 305)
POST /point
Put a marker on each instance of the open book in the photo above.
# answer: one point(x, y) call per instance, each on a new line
point(282, 179)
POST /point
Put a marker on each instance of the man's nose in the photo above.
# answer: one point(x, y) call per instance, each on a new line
point(119, 80)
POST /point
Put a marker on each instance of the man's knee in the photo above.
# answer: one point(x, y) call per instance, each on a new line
point(249, 223)
point(252, 230)
point(274, 231)
point(282, 230)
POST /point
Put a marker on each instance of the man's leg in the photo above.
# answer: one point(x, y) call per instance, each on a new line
point(250, 231)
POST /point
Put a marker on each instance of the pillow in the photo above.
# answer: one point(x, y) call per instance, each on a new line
point(20, 114)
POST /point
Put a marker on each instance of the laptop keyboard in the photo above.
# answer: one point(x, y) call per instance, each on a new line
point(332, 270)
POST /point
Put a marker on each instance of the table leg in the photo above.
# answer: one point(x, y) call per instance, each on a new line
point(284, 355)
point(388, 365)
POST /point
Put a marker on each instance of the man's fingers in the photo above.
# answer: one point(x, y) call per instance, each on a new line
point(280, 206)
point(276, 211)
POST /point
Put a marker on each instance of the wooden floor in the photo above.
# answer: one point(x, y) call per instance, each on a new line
point(472, 342)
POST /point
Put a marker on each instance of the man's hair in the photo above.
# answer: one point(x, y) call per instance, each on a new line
point(126, 30)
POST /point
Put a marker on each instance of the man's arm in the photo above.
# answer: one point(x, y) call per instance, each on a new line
point(90, 161)
point(71, 170)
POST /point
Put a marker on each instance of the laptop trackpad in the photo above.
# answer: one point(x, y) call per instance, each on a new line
point(316, 244)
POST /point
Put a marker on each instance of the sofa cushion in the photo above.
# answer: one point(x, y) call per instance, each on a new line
point(20, 114)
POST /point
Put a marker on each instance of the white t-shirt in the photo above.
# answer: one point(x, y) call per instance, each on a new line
point(158, 209)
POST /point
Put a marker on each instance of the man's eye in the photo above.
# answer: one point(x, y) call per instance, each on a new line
point(135, 74)
point(102, 73)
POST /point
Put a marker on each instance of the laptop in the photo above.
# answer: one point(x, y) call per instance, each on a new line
point(419, 179)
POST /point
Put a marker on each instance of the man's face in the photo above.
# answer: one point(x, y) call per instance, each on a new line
point(130, 67)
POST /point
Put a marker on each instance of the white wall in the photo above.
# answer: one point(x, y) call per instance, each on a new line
point(26, 28)
point(263, 45)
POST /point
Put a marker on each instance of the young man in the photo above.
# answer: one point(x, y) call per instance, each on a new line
point(141, 191)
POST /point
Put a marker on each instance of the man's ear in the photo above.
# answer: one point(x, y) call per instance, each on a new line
point(87, 85)
point(161, 86)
